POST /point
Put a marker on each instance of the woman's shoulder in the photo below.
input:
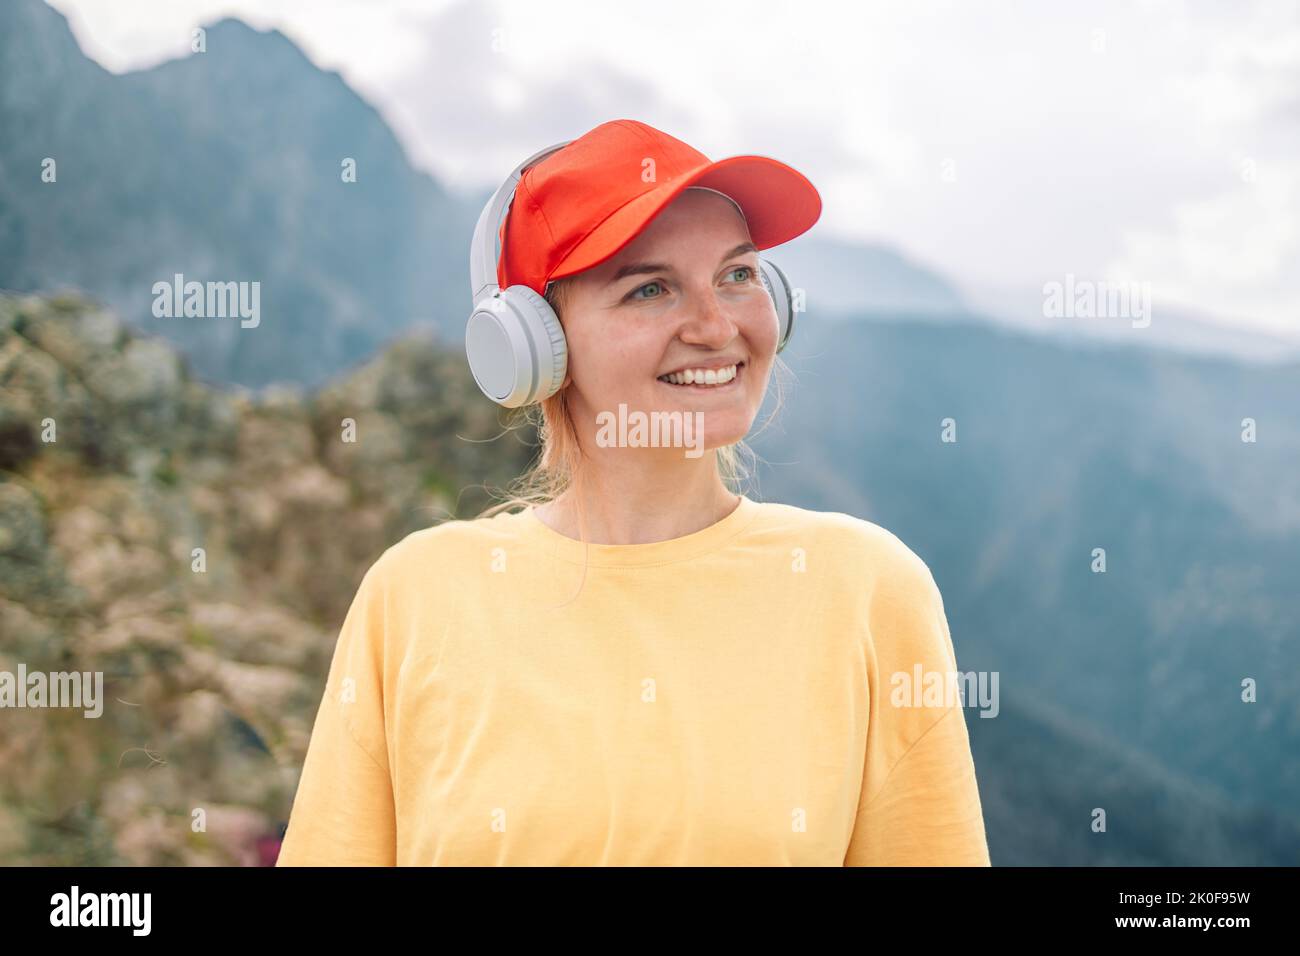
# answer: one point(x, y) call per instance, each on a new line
point(447, 544)
point(880, 579)
point(853, 544)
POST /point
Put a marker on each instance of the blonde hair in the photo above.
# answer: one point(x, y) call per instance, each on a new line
point(559, 466)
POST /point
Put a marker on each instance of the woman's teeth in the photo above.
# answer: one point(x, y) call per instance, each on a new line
point(701, 376)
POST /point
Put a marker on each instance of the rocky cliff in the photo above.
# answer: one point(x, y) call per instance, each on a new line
point(200, 547)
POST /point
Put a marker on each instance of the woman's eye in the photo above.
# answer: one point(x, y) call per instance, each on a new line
point(648, 285)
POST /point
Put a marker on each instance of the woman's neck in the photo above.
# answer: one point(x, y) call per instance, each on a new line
point(646, 515)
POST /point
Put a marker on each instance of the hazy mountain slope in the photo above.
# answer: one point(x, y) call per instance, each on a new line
point(1042, 773)
point(843, 280)
point(1166, 327)
point(222, 166)
point(1059, 452)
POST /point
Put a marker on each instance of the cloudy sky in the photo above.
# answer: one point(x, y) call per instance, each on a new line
point(1000, 143)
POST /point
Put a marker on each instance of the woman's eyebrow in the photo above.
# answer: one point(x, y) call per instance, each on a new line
point(641, 268)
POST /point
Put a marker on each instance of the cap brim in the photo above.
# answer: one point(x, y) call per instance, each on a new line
point(778, 201)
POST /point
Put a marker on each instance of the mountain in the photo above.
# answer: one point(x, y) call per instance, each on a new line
point(1043, 774)
point(225, 166)
point(1167, 327)
point(1060, 451)
point(848, 280)
point(222, 166)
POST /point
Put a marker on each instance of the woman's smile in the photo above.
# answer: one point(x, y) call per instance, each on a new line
point(731, 373)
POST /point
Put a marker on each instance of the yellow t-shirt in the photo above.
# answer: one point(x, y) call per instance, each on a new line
point(723, 698)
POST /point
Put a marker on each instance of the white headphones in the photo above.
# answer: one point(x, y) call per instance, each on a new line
point(513, 340)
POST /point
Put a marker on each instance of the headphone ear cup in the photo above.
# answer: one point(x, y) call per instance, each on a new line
point(782, 293)
point(516, 347)
point(545, 329)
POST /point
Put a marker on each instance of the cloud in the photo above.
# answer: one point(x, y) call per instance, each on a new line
point(1235, 254)
point(471, 107)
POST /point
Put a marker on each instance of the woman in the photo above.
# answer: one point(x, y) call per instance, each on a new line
point(641, 666)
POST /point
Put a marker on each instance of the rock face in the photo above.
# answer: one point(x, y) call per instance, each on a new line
point(200, 547)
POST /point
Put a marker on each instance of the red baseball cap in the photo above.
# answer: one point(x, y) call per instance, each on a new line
point(582, 204)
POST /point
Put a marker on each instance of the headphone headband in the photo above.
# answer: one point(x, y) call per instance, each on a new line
point(483, 248)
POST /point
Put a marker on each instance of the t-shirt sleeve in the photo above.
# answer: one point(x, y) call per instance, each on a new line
point(343, 813)
point(919, 804)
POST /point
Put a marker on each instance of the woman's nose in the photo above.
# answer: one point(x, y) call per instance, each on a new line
point(710, 323)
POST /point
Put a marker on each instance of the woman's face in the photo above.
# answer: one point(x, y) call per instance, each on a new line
point(684, 294)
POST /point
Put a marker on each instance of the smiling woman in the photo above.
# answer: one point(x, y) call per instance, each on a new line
point(645, 282)
point(558, 468)
point(715, 687)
